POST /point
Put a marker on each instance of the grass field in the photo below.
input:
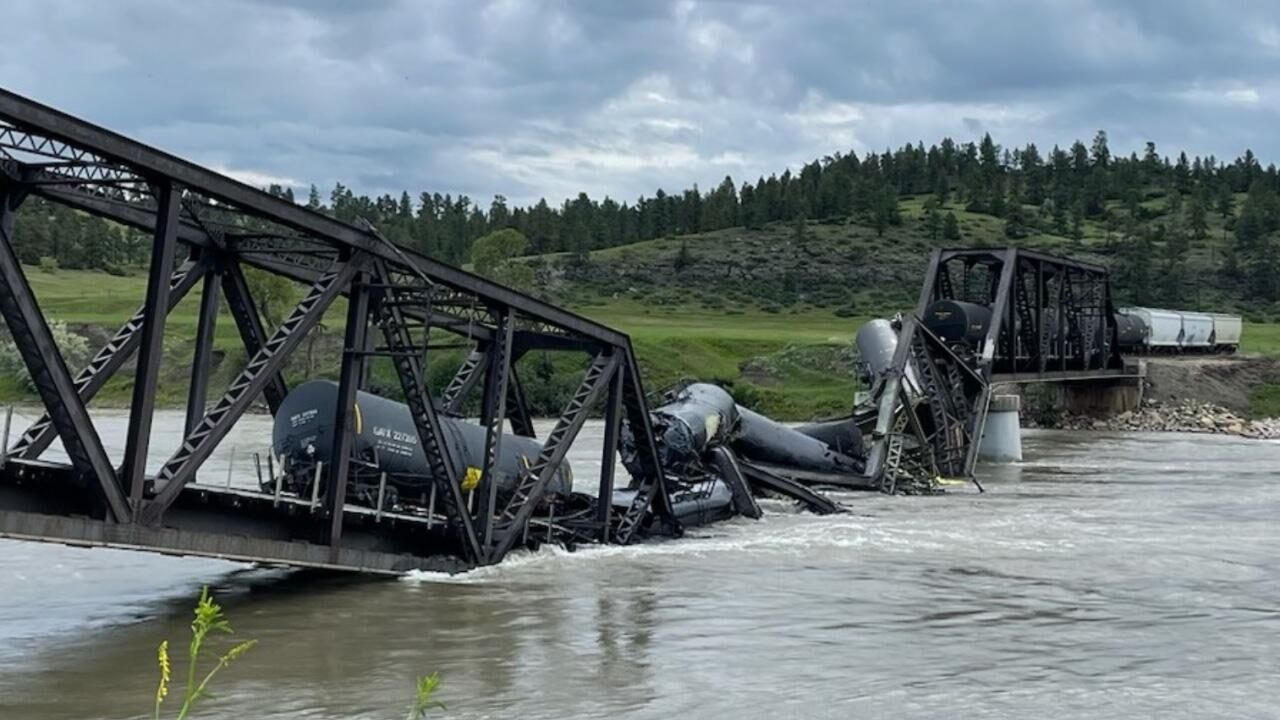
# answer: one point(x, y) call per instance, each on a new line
point(790, 361)
point(1264, 401)
point(793, 364)
point(97, 304)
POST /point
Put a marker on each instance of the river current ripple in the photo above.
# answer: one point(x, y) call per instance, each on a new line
point(1117, 575)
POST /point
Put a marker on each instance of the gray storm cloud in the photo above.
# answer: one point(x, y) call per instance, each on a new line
point(531, 99)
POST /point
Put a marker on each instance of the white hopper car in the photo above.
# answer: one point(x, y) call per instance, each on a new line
point(1153, 330)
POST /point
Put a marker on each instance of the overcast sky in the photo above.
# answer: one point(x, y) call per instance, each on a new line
point(529, 98)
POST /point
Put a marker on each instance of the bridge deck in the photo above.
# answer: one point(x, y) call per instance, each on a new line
point(230, 523)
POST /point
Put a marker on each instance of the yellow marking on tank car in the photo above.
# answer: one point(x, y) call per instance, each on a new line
point(359, 418)
point(712, 424)
point(472, 479)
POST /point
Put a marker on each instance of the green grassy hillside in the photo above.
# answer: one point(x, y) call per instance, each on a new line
point(771, 311)
point(839, 266)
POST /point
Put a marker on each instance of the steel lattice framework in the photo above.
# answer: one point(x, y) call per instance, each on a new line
point(206, 229)
point(1052, 319)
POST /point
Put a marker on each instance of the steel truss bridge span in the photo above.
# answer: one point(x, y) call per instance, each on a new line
point(206, 229)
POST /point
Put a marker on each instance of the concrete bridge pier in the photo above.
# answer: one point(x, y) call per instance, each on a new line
point(1002, 434)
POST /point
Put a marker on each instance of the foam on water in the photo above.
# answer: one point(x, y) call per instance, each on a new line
point(782, 534)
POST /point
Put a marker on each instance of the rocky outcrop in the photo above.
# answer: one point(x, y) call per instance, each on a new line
point(1189, 416)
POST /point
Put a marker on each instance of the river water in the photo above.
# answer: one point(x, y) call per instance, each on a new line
point(1117, 575)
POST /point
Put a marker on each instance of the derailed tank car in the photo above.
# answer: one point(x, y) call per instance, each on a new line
point(877, 341)
point(694, 431)
point(386, 440)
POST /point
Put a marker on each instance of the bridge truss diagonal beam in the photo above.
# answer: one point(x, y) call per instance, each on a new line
point(49, 372)
point(409, 360)
point(493, 416)
point(533, 481)
point(262, 367)
point(653, 498)
point(109, 359)
point(253, 334)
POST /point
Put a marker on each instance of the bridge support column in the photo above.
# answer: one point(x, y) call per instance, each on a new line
point(1002, 436)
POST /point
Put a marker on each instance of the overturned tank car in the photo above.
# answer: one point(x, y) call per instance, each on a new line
point(716, 457)
point(739, 454)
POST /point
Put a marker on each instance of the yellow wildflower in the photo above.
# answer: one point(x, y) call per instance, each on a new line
point(161, 692)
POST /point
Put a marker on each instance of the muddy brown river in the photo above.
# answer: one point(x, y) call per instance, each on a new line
point(1108, 575)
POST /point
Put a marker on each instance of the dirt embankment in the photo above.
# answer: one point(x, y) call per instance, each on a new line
point(1190, 394)
point(1223, 381)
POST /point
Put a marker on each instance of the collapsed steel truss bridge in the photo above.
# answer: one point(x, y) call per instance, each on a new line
point(1052, 319)
point(206, 229)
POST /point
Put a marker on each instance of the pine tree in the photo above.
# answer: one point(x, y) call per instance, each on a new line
point(941, 189)
point(1173, 274)
point(1100, 154)
point(683, 258)
point(932, 220)
point(1015, 220)
point(1060, 204)
point(1077, 222)
point(1264, 270)
point(989, 157)
point(1033, 174)
point(1226, 201)
point(1173, 203)
point(1134, 268)
point(499, 214)
point(751, 212)
point(950, 227)
point(1197, 223)
point(885, 209)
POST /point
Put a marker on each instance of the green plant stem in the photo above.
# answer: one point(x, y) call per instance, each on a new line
point(223, 662)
